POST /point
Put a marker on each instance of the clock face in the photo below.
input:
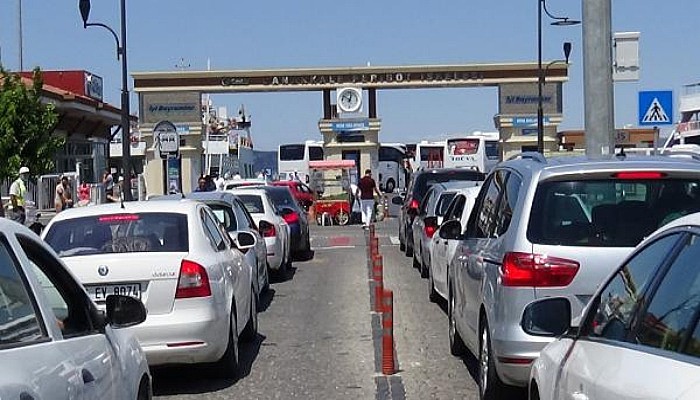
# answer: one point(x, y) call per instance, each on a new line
point(349, 99)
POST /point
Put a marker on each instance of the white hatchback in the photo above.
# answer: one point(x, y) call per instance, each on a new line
point(54, 343)
point(272, 226)
point(175, 257)
point(640, 334)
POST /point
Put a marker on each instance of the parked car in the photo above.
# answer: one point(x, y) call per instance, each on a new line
point(426, 222)
point(53, 339)
point(420, 182)
point(272, 227)
point(550, 228)
point(639, 336)
point(301, 192)
point(235, 218)
point(295, 217)
point(443, 249)
point(175, 257)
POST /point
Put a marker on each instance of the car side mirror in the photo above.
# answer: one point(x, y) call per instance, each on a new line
point(547, 317)
point(124, 311)
point(243, 240)
point(451, 230)
point(397, 200)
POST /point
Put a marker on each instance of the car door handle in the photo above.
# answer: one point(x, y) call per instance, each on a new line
point(87, 376)
point(579, 396)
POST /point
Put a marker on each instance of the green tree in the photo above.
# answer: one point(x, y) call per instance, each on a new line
point(26, 127)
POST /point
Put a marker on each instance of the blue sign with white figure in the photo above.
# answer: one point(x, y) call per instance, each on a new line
point(656, 108)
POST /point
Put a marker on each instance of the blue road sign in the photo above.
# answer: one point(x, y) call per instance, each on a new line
point(656, 108)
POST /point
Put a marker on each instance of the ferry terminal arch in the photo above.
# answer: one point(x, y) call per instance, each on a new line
point(514, 106)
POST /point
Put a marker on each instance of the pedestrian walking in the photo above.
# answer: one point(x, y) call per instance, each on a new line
point(18, 193)
point(62, 196)
point(366, 189)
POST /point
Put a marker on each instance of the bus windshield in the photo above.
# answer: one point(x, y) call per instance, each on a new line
point(458, 147)
point(291, 152)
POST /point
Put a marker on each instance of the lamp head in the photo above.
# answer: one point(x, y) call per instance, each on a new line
point(567, 51)
point(84, 6)
point(565, 22)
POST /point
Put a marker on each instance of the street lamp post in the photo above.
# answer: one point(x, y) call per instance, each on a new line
point(84, 6)
point(558, 21)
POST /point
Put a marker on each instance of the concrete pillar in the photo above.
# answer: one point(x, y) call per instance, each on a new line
point(597, 78)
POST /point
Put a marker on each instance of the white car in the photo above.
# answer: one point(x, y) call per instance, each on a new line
point(639, 336)
point(233, 215)
point(442, 250)
point(176, 257)
point(54, 342)
point(272, 226)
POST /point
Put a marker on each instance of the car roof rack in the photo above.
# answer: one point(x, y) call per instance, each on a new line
point(530, 155)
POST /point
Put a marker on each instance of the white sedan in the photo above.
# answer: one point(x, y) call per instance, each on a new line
point(442, 250)
point(271, 225)
point(54, 343)
point(639, 336)
point(175, 257)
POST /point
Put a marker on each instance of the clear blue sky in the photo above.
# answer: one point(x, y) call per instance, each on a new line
point(313, 33)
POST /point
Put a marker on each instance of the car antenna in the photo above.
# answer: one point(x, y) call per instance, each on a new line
point(122, 202)
point(621, 155)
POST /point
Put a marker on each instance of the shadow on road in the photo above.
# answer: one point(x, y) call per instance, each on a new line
point(266, 299)
point(305, 256)
point(199, 379)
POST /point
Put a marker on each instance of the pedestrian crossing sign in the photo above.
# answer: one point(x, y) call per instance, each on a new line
point(655, 108)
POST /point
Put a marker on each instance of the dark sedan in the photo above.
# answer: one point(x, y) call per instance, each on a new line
point(296, 218)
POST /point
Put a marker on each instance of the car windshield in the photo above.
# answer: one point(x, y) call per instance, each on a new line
point(428, 179)
point(608, 213)
point(119, 233)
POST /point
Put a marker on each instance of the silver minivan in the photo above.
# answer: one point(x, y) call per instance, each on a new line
point(550, 228)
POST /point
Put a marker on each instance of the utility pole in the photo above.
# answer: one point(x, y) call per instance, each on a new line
point(599, 107)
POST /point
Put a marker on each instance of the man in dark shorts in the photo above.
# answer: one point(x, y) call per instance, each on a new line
point(366, 189)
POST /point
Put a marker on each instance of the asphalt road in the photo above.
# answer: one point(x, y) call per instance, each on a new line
point(320, 340)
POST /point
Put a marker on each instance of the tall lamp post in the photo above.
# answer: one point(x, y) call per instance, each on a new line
point(84, 6)
point(558, 21)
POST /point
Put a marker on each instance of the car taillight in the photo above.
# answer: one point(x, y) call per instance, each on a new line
point(267, 229)
point(414, 204)
point(537, 270)
point(639, 175)
point(430, 229)
point(291, 218)
point(193, 281)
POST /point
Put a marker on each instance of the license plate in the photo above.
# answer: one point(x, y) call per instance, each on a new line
point(100, 293)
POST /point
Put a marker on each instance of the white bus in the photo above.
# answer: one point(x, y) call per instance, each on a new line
point(392, 173)
point(293, 158)
point(479, 150)
point(429, 155)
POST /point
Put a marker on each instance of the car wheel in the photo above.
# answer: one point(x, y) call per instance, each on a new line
point(402, 242)
point(227, 366)
point(390, 186)
point(251, 329)
point(144, 392)
point(490, 385)
point(409, 250)
point(423, 268)
point(416, 263)
point(457, 347)
point(432, 293)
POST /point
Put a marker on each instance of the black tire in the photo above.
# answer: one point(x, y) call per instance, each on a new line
point(250, 332)
point(416, 263)
point(145, 392)
point(227, 366)
point(402, 242)
point(433, 295)
point(423, 269)
point(457, 347)
point(390, 186)
point(490, 385)
point(409, 250)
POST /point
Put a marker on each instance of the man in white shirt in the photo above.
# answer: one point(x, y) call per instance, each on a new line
point(18, 193)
